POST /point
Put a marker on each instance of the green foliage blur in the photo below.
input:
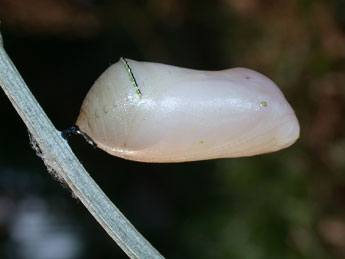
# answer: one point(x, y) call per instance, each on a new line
point(288, 204)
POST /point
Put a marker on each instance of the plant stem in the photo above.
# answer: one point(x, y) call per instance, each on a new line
point(59, 158)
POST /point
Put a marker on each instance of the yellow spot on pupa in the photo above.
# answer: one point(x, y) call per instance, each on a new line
point(201, 142)
point(263, 104)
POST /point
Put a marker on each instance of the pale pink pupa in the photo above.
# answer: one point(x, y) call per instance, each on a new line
point(160, 113)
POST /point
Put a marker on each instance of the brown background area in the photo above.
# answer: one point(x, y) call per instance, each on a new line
point(289, 204)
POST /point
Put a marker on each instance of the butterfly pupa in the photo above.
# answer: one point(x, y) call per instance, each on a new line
point(153, 112)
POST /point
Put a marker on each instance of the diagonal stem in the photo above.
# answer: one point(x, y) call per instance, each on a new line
point(60, 159)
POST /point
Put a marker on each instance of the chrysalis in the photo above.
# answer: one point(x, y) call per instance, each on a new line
point(159, 113)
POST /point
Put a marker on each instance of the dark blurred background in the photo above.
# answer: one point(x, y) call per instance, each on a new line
point(288, 204)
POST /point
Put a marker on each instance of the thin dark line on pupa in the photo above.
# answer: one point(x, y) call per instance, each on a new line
point(131, 76)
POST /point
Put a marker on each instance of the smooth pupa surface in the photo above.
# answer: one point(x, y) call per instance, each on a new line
point(153, 112)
